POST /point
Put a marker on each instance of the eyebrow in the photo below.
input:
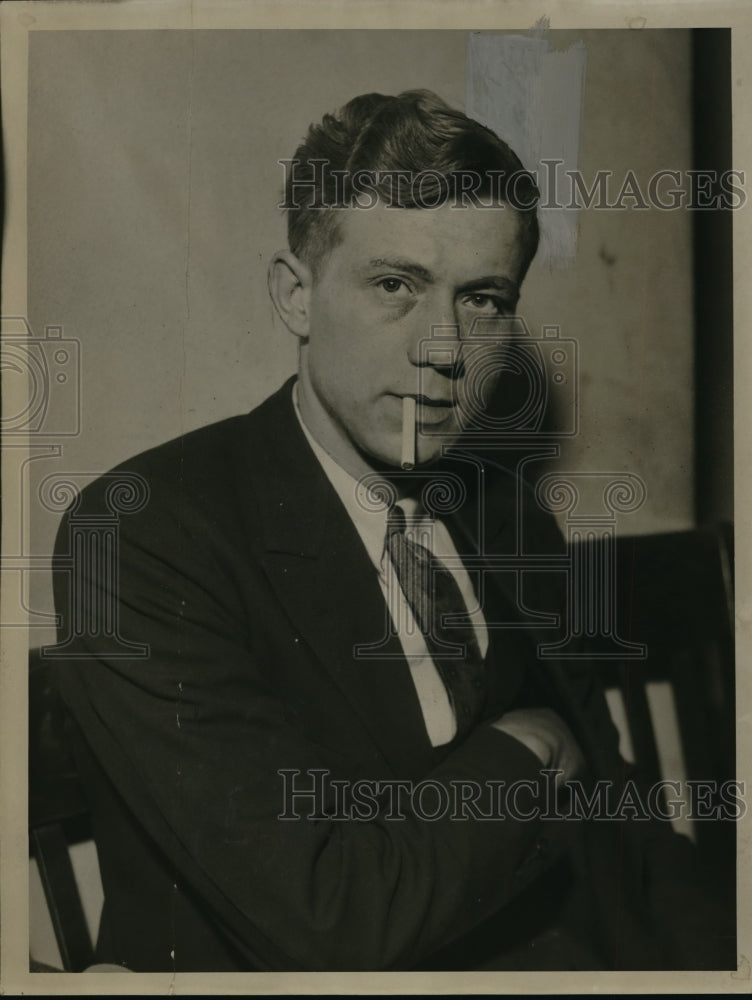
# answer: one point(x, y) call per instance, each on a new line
point(501, 284)
point(504, 285)
point(404, 264)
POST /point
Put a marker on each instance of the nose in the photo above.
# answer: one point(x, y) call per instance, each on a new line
point(434, 339)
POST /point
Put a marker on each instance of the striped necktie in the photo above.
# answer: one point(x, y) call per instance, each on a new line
point(435, 600)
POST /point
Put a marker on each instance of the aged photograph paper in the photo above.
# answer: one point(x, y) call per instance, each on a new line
point(374, 571)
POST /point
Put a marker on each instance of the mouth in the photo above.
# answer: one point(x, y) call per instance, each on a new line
point(446, 404)
point(432, 411)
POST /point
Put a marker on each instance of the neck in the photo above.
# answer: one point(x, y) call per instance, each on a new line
point(332, 439)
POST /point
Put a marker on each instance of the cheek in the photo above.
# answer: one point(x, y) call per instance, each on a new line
point(342, 371)
point(349, 348)
point(336, 330)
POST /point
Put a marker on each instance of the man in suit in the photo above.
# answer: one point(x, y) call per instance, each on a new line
point(296, 590)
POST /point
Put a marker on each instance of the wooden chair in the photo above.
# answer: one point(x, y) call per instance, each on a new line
point(58, 815)
point(674, 593)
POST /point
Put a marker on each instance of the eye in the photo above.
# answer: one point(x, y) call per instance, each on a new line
point(482, 302)
point(393, 292)
point(391, 285)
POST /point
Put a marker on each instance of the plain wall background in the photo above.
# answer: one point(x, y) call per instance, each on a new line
point(153, 185)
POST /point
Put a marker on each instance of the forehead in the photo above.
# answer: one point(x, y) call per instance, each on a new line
point(450, 241)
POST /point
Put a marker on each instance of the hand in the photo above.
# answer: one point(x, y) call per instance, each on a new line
point(547, 735)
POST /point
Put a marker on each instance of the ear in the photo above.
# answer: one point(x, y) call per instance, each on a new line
point(290, 283)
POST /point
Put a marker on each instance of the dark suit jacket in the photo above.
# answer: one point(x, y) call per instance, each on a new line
point(249, 583)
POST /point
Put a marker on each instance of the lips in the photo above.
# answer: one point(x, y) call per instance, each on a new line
point(433, 412)
point(446, 404)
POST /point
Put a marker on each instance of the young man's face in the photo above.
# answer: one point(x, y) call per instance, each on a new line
point(395, 275)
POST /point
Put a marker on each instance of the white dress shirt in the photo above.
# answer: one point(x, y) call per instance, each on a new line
point(370, 518)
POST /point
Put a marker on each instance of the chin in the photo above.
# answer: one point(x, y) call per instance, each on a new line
point(387, 458)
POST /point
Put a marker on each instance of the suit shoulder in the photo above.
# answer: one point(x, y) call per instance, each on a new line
point(194, 463)
point(198, 453)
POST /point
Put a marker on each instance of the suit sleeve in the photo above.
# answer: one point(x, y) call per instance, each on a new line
point(193, 736)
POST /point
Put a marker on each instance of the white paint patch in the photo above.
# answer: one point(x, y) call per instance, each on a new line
point(42, 944)
point(616, 708)
point(532, 97)
point(662, 705)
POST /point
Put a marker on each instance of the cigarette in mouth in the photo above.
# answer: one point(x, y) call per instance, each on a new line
point(408, 432)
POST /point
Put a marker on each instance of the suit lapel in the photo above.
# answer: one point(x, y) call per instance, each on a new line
point(321, 573)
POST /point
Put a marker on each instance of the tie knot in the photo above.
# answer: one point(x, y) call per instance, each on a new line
point(396, 522)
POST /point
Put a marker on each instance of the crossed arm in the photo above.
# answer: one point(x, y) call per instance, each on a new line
point(192, 740)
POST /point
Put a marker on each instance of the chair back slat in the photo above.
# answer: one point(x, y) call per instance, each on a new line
point(674, 593)
point(58, 815)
